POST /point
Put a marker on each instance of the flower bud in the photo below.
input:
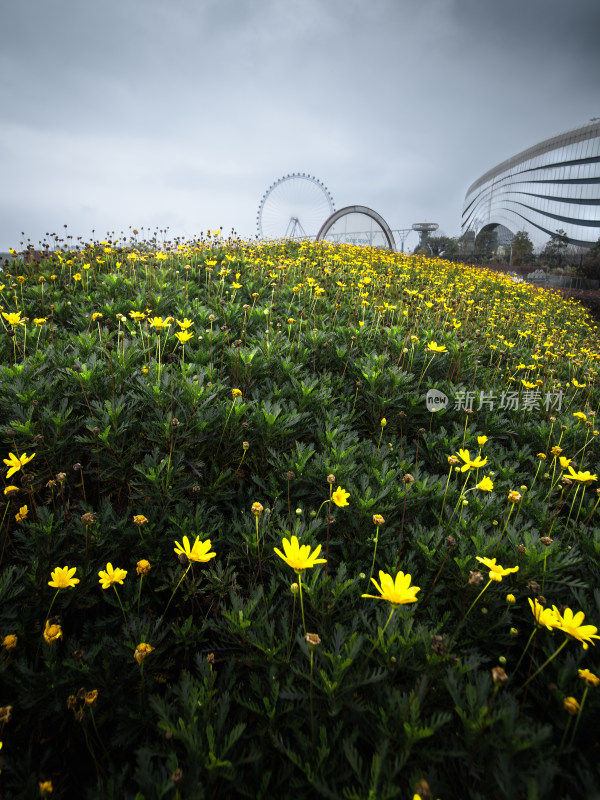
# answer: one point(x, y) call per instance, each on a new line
point(571, 706)
point(499, 676)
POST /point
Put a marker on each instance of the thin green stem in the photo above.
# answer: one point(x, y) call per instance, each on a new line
point(120, 603)
point(380, 637)
point(52, 603)
point(533, 633)
point(579, 713)
point(140, 595)
point(291, 629)
point(476, 599)
point(546, 662)
point(374, 551)
point(301, 602)
point(503, 529)
point(177, 587)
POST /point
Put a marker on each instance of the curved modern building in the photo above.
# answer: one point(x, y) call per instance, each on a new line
point(553, 185)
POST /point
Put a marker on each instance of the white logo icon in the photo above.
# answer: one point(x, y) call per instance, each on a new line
point(436, 400)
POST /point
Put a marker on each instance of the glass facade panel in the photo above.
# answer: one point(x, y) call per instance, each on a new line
point(535, 190)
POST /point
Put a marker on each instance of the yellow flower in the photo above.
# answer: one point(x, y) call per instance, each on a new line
point(510, 598)
point(299, 557)
point(91, 697)
point(23, 512)
point(141, 651)
point(52, 633)
point(485, 484)
point(543, 616)
point(497, 572)
point(541, 456)
point(571, 705)
point(12, 319)
point(572, 624)
point(62, 578)
point(514, 496)
point(10, 490)
point(471, 463)
point(583, 477)
point(46, 788)
point(15, 463)
point(187, 323)
point(578, 385)
point(383, 422)
point(77, 276)
point(340, 497)
point(139, 520)
point(589, 677)
point(236, 393)
point(436, 348)
point(397, 592)
point(39, 321)
point(580, 415)
point(184, 336)
point(257, 509)
point(157, 323)
point(110, 576)
point(378, 519)
point(197, 552)
point(564, 462)
point(10, 641)
point(556, 450)
point(481, 440)
point(143, 567)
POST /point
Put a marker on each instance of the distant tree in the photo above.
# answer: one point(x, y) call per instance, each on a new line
point(590, 267)
point(439, 247)
point(522, 249)
point(555, 250)
point(466, 244)
point(486, 244)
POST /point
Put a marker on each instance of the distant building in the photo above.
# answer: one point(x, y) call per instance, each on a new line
point(553, 185)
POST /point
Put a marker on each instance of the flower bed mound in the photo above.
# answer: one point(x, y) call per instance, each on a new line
point(294, 518)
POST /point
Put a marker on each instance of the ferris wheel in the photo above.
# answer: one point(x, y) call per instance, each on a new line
point(294, 207)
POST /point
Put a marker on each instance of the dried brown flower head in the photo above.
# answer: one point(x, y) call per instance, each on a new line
point(499, 676)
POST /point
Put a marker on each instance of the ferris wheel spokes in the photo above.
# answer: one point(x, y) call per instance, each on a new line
point(294, 207)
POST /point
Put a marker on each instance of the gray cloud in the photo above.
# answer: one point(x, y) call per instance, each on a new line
point(182, 114)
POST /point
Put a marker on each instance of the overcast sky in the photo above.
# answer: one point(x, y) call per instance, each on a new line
point(181, 113)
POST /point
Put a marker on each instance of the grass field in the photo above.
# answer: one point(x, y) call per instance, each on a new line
point(240, 556)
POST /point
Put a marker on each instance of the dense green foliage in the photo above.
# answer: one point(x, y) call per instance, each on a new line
point(333, 350)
